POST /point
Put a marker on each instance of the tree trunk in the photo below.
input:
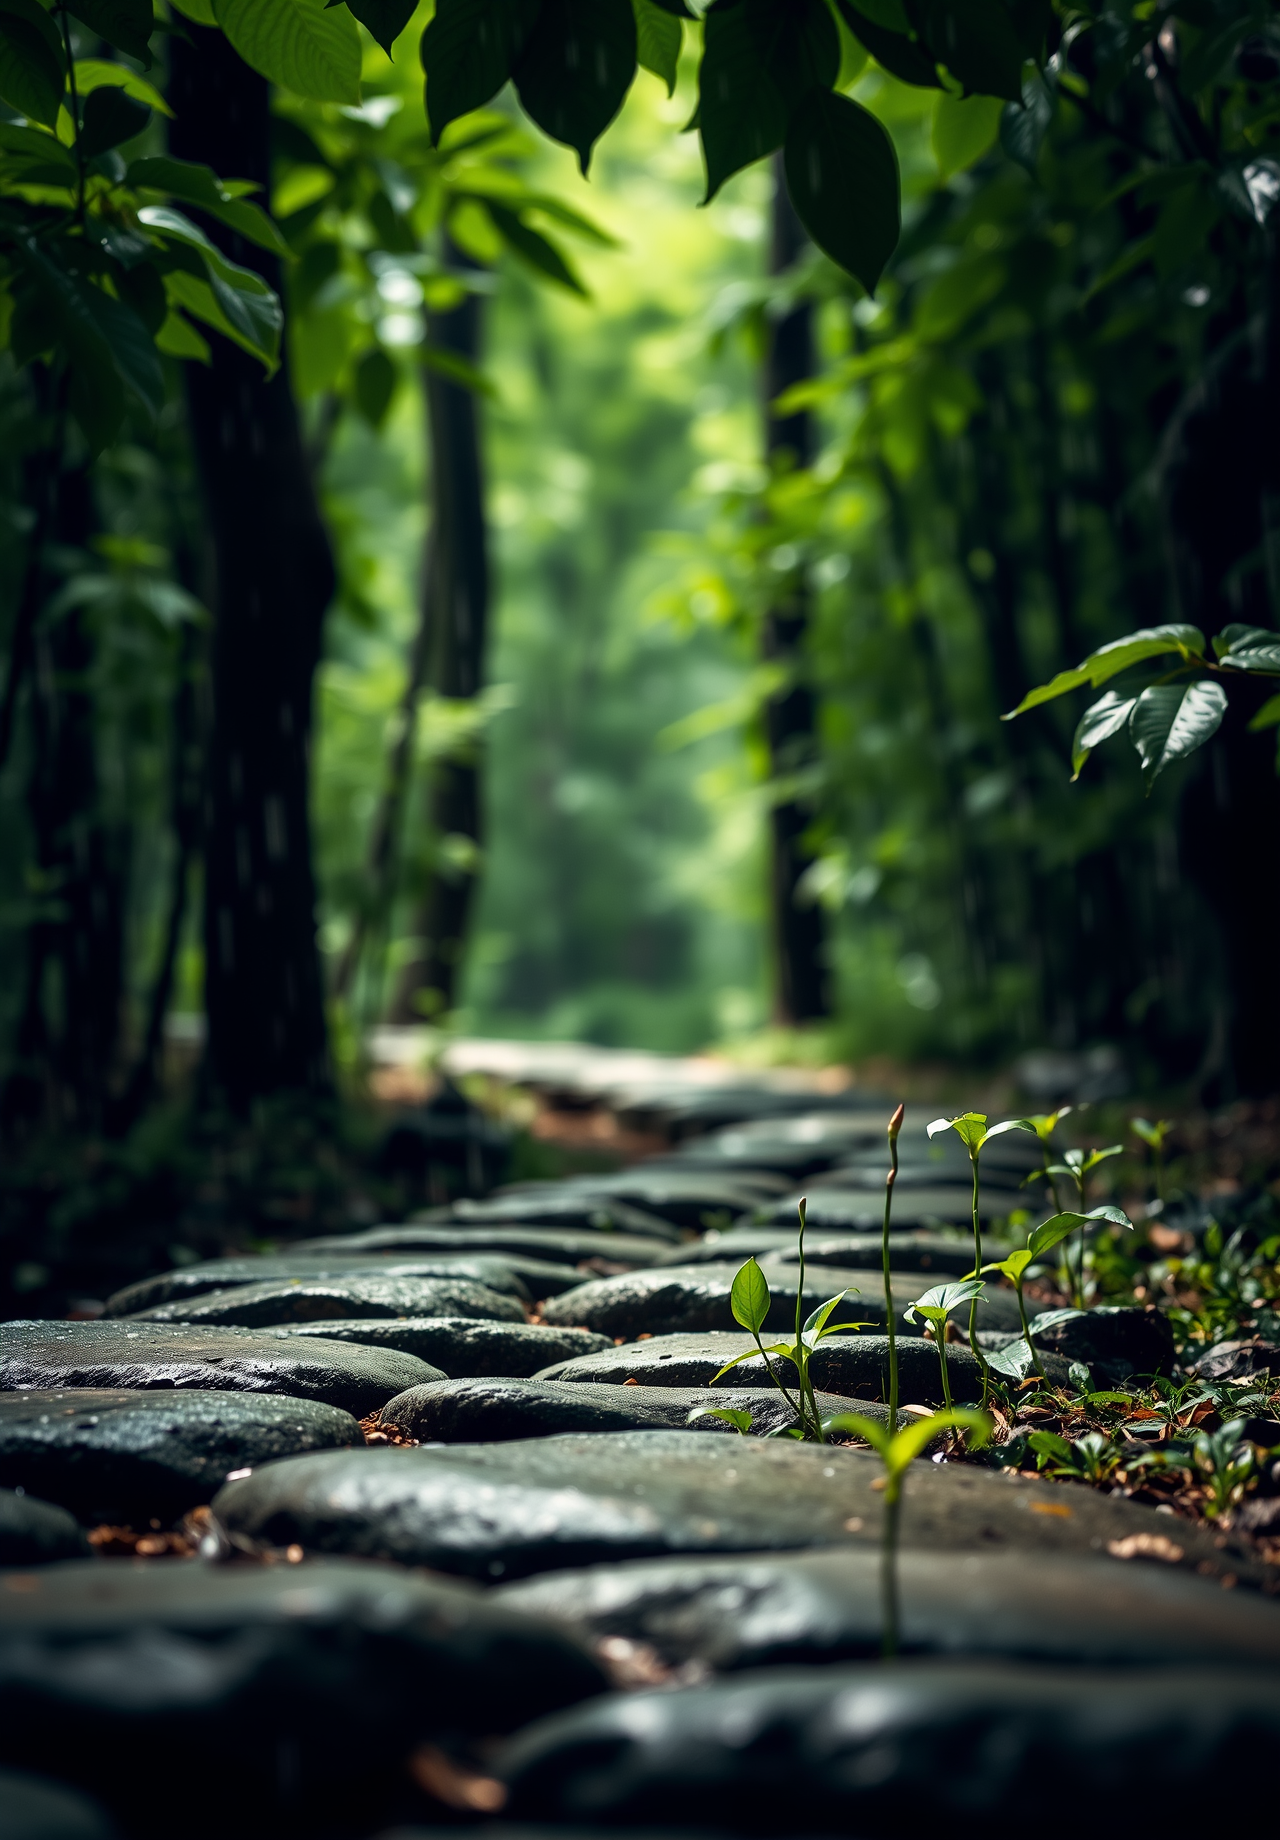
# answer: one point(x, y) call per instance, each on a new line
point(273, 576)
point(801, 993)
point(456, 608)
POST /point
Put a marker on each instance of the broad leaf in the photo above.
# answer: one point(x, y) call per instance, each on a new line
point(1109, 660)
point(969, 1127)
point(842, 175)
point(32, 157)
point(944, 1298)
point(658, 39)
point(761, 60)
point(978, 43)
point(1053, 1230)
point(537, 250)
point(1050, 1319)
point(867, 1429)
point(901, 56)
point(203, 14)
point(110, 119)
point(299, 44)
point(1170, 721)
point(99, 73)
point(31, 61)
point(1008, 1124)
point(1023, 126)
point(749, 1298)
point(384, 20)
point(1015, 1361)
point(1249, 648)
point(126, 24)
point(242, 303)
point(467, 52)
point(1099, 722)
point(1013, 1266)
point(575, 69)
point(200, 185)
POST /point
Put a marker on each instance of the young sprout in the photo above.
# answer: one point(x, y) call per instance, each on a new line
point(895, 1125)
point(749, 1300)
point(1153, 1136)
point(741, 1420)
point(934, 1308)
point(1042, 1239)
point(1078, 1164)
point(971, 1129)
point(896, 1451)
point(1044, 1124)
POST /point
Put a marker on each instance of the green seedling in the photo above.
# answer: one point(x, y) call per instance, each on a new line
point(971, 1129)
point(749, 1301)
point(1079, 1164)
point(1092, 1458)
point(895, 1125)
point(897, 1450)
point(934, 1308)
point(1044, 1124)
point(1224, 1461)
point(1042, 1239)
point(1153, 1136)
point(741, 1421)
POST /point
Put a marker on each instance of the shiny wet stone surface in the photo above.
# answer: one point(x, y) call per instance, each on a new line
point(768, 1610)
point(462, 1346)
point(143, 1683)
point(514, 1276)
point(683, 1299)
point(480, 1411)
point(128, 1456)
point(141, 1356)
point(282, 1300)
point(856, 1366)
point(851, 1749)
point(500, 1510)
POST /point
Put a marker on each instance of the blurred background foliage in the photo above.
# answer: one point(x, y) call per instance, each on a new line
point(1036, 437)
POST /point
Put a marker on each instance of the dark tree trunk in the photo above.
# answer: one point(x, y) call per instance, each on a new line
point(69, 1030)
point(801, 993)
point(456, 609)
point(273, 576)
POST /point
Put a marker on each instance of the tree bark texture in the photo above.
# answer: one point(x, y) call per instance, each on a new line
point(273, 575)
point(801, 987)
point(456, 590)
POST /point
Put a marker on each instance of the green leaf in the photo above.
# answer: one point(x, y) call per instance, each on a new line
point(1109, 660)
point(1023, 126)
point(126, 24)
point(1008, 1124)
point(907, 1444)
point(978, 43)
point(537, 250)
point(178, 338)
point(375, 385)
point(943, 1298)
point(468, 50)
point(761, 61)
point(741, 1420)
point(658, 41)
point(110, 118)
point(868, 1429)
point(1015, 1361)
point(249, 323)
point(969, 1127)
point(1049, 1445)
point(1012, 1267)
point(1170, 721)
point(98, 73)
point(576, 68)
point(203, 14)
point(1152, 1135)
point(1099, 722)
point(749, 1298)
point(1051, 1231)
point(818, 1319)
point(200, 185)
point(108, 346)
point(1267, 717)
point(901, 56)
point(299, 44)
point(842, 174)
point(384, 20)
point(245, 305)
point(1249, 648)
point(964, 128)
point(33, 157)
point(32, 64)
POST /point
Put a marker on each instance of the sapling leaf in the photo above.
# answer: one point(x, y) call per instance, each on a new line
point(753, 1354)
point(1099, 722)
point(969, 1127)
point(1050, 1232)
point(1153, 1135)
point(1170, 721)
point(1044, 1124)
point(749, 1299)
point(820, 1316)
point(741, 1420)
point(1016, 1361)
point(905, 1445)
point(944, 1298)
point(1109, 660)
point(1013, 1267)
point(1050, 1319)
point(1009, 1124)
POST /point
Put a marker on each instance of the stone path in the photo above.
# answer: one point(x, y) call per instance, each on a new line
point(450, 1494)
